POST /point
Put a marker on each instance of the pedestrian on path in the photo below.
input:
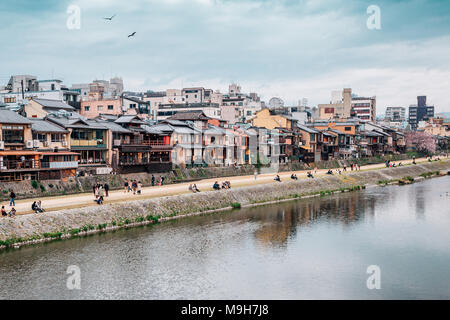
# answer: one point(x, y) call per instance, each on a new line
point(12, 201)
point(106, 187)
point(126, 186)
point(255, 174)
point(153, 180)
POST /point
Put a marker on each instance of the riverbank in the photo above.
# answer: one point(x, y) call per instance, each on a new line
point(77, 185)
point(36, 228)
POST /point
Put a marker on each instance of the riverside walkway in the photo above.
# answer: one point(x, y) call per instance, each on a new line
point(87, 199)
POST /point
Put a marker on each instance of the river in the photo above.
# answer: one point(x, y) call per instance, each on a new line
point(316, 248)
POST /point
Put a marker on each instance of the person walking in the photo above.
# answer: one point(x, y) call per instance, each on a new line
point(12, 197)
point(134, 186)
point(106, 187)
point(126, 186)
point(153, 180)
point(101, 193)
point(162, 180)
point(255, 174)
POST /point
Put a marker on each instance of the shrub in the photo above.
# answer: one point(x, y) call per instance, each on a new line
point(51, 185)
point(235, 205)
point(34, 184)
point(140, 219)
point(91, 227)
point(42, 188)
point(74, 232)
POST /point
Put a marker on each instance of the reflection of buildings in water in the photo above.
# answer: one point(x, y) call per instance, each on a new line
point(278, 226)
point(418, 194)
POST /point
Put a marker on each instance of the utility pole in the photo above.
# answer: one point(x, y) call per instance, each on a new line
point(23, 94)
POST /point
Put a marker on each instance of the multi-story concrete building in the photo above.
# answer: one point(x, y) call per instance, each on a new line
point(420, 112)
point(395, 114)
point(364, 108)
point(22, 88)
point(340, 105)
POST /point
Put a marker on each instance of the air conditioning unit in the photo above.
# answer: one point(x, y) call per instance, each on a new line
point(2, 145)
point(117, 142)
point(29, 144)
point(45, 143)
point(36, 143)
point(64, 143)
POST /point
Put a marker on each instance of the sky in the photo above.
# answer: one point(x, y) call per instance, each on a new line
point(291, 49)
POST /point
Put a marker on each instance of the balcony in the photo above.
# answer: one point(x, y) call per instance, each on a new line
point(87, 143)
point(19, 165)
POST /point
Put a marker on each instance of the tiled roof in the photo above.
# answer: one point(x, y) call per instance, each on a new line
point(8, 116)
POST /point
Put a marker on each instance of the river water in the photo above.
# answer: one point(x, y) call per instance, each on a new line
point(316, 248)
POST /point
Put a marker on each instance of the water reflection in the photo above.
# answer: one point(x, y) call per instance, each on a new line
point(279, 224)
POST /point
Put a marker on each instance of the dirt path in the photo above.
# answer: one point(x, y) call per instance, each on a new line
point(87, 199)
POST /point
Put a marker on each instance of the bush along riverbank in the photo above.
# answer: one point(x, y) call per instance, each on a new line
point(75, 185)
point(36, 228)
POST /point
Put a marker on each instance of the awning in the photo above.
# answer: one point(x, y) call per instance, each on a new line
point(306, 148)
point(60, 153)
point(18, 153)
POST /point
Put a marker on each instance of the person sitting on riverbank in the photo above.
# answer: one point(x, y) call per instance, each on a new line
point(294, 176)
point(277, 178)
point(139, 187)
point(12, 213)
point(216, 186)
point(39, 206)
point(309, 175)
point(3, 212)
point(35, 208)
point(329, 171)
point(195, 189)
point(190, 188)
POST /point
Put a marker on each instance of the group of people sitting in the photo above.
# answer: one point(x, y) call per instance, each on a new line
point(11, 213)
point(309, 174)
point(225, 185)
point(37, 207)
point(294, 176)
point(193, 188)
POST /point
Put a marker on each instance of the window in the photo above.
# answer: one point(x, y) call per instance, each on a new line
point(133, 106)
point(312, 137)
point(249, 113)
point(53, 87)
point(57, 137)
point(10, 100)
point(348, 129)
point(40, 137)
point(110, 107)
point(99, 108)
point(86, 108)
point(195, 96)
point(12, 134)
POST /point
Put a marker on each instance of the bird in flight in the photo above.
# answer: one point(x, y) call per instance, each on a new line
point(132, 35)
point(110, 18)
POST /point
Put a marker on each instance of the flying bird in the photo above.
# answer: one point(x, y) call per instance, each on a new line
point(110, 18)
point(132, 35)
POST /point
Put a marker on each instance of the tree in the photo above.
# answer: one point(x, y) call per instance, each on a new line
point(421, 141)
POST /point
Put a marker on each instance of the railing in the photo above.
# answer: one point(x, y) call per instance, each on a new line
point(139, 142)
point(143, 162)
point(86, 143)
point(59, 164)
point(19, 165)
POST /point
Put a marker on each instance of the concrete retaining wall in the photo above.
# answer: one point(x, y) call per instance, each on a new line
point(41, 227)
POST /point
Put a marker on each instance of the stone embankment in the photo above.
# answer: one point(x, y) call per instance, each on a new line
point(35, 228)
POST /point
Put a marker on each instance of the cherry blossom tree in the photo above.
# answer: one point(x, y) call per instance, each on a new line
point(421, 141)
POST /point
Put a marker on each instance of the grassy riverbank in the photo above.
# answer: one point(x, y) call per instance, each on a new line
point(30, 229)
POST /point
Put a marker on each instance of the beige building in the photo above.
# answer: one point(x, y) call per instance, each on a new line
point(40, 108)
point(340, 105)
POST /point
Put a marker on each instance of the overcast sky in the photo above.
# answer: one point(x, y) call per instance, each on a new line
point(287, 48)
